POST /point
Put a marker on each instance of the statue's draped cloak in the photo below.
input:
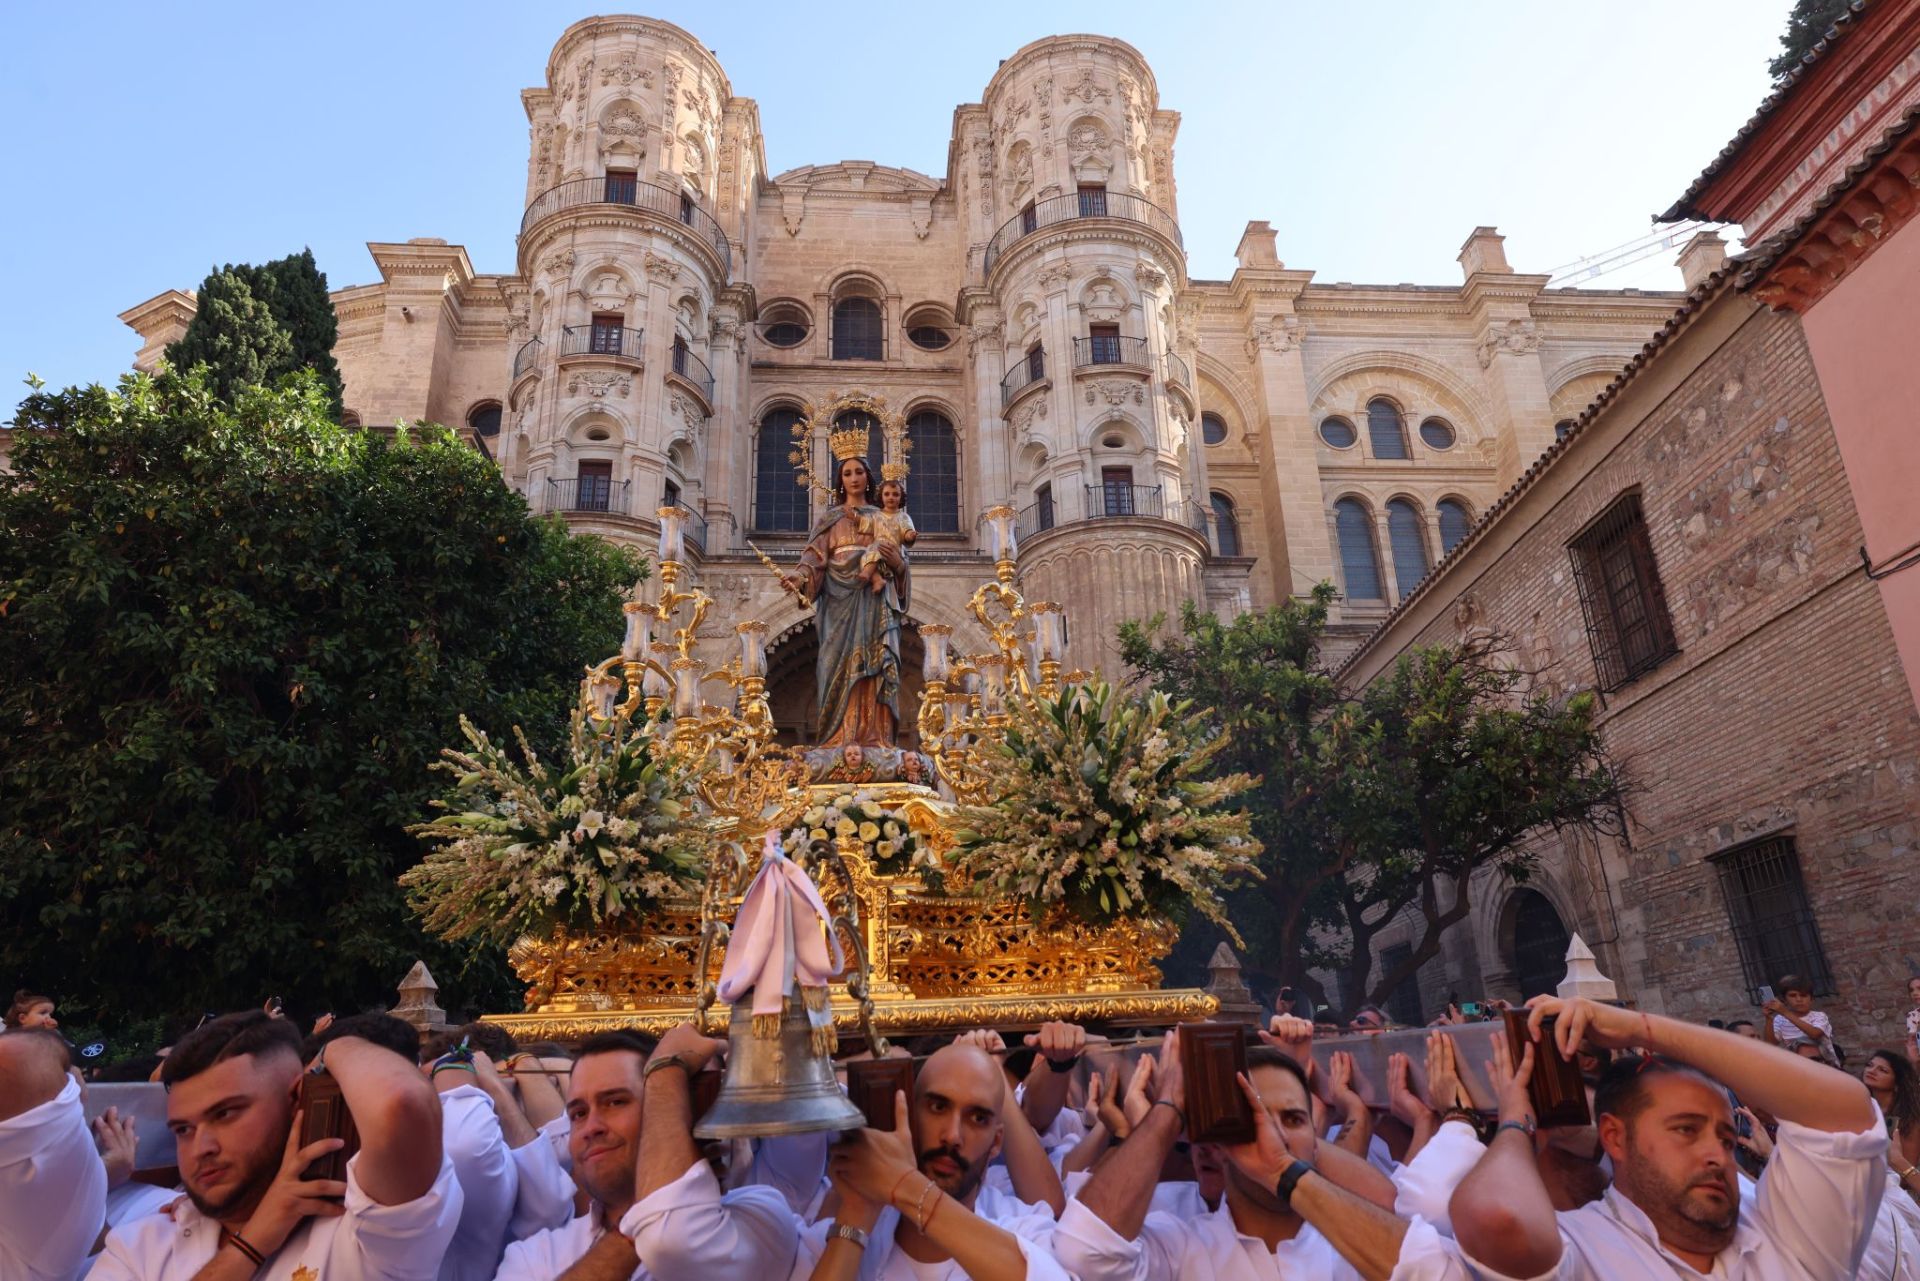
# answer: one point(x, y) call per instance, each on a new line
point(859, 631)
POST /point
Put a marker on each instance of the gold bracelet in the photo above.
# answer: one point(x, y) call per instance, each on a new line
point(920, 1215)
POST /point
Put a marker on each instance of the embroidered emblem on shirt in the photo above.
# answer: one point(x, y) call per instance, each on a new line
point(304, 1273)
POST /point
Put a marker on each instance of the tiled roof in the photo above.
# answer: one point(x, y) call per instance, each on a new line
point(1762, 257)
point(1696, 300)
point(1683, 207)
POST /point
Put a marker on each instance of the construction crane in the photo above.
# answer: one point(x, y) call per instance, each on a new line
point(1656, 242)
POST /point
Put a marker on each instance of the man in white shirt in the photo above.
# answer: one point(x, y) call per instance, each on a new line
point(53, 1186)
point(231, 1090)
point(1667, 1127)
point(656, 1209)
point(907, 1197)
point(1281, 1215)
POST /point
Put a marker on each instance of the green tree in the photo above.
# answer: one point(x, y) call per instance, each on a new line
point(234, 334)
point(236, 636)
point(233, 338)
point(1377, 801)
point(1807, 25)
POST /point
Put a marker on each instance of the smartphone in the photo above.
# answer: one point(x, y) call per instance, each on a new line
point(1766, 994)
point(325, 1116)
point(1470, 1008)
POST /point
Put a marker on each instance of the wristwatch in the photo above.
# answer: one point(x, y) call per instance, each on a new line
point(847, 1232)
point(1292, 1175)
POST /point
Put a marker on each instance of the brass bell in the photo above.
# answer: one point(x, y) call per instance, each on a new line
point(776, 1085)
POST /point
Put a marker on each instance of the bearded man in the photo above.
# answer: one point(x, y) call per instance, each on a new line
point(232, 1086)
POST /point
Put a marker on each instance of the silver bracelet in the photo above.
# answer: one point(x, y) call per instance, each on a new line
point(847, 1232)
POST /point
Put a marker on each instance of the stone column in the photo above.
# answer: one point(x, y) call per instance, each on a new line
point(728, 429)
point(1508, 346)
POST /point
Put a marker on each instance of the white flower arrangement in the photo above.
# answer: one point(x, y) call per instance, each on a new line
point(892, 846)
point(1102, 807)
point(522, 848)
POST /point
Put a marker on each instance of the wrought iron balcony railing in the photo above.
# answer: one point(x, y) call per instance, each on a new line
point(1177, 372)
point(694, 370)
point(1111, 349)
point(524, 358)
point(616, 189)
point(1030, 369)
point(1112, 500)
point(587, 494)
point(601, 340)
point(1076, 205)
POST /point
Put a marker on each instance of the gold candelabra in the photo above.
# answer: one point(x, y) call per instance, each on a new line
point(752, 784)
point(964, 712)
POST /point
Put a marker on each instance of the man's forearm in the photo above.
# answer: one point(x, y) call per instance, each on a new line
point(1354, 1173)
point(611, 1259)
point(1502, 1215)
point(397, 1114)
point(1790, 1087)
point(1367, 1236)
point(1122, 1186)
point(540, 1097)
point(666, 1140)
point(1033, 1175)
point(984, 1251)
point(1045, 1095)
point(514, 1126)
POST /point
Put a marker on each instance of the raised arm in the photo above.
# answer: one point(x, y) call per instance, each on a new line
point(1764, 1077)
point(1058, 1046)
point(666, 1133)
point(397, 1114)
point(1121, 1189)
point(1502, 1215)
point(1035, 1181)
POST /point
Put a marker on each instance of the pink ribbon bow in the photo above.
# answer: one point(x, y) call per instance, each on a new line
point(780, 938)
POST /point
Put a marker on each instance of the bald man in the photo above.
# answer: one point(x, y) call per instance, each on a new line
point(907, 1196)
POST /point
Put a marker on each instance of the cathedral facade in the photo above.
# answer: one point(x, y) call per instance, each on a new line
point(674, 308)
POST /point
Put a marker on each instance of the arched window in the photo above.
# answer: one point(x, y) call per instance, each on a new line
point(485, 419)
point(1455, 521)
point(1540, 942)
point(1226, 528)
point(934, 484)
point(1385, 432)
point(779, 503)
point(1213, 428)
point(856, 330)
point(1407, 532)
point(1359, 560)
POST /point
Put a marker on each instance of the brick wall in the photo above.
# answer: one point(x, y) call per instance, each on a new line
point(1785, 711)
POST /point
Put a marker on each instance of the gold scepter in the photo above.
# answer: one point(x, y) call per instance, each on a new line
point(785, 582)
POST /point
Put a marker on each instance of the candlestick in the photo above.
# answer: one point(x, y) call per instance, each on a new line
point(936, 637)
point(639, 638)
point(672, 534)
point(753, 648)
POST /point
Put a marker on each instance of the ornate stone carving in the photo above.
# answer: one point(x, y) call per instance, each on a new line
point(580, 82)
point(1103, 302)
point(793, 208)
point(727, 331)
point(517, 319)
point(1088, 138)
point(1515, 337)
point(691, 415)
point(1085, 89)
point(1055, 277)
point(1034, 411)
point(987, 331)
point(597, 383)
point(1020, 171)
point(1149, 276)
point(626, 73)
point(1115, 392)
point(558, 263)
point(624, 121)
point(1281, 335)
point(664, 270)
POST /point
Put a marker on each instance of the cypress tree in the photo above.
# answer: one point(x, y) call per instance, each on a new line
point(1807, 25)
point(234, 334)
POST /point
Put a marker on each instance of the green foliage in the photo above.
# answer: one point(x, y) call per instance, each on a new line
point(1104, 803)
point(236, 636)
point(256, 323)
point(1380, 800)
point(522, 848)
point(1807, 25)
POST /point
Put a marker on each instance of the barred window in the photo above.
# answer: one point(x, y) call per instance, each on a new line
point(779, 502)
point(1620, 595)
point(857, 331)
point(1359, 559)
point(1406, 530)
point(1226, 526)
point(1386, 430)
point(934, 484)
point(1773, 922)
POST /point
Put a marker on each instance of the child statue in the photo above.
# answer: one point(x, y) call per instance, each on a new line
point(890, 524)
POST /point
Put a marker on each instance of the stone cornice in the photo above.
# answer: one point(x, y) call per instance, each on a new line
point(602, 215)
point(1262, 286)
point(175, 306)
point(677, 39)
point(440, 263)
point(1108, 231)
point(1485, 288)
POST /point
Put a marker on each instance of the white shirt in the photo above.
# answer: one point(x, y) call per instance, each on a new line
point(1425, 1185)
point(1893, 1247)
point(1212, 1248)
point(1786, 1033)
point(53, 1190)
point(543, 1187)
point(685, 1231)
point(1811, 1217)
point(489, 1183)
point(370, 1242)
point(883, 1261)
point(132, 1201)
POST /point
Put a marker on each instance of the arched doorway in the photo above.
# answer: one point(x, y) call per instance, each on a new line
point(1540, 939)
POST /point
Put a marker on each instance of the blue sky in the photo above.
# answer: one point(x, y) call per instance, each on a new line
point(146, 142)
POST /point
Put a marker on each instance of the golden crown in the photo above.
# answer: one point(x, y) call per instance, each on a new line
point(850, 442)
